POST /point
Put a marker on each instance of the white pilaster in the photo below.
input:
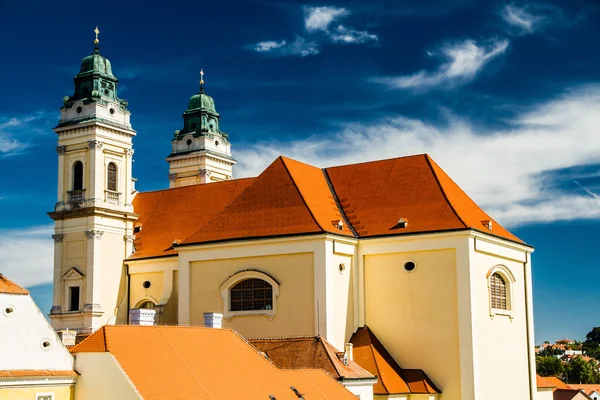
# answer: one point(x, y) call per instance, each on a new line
point(58, 238)
point(93, 279)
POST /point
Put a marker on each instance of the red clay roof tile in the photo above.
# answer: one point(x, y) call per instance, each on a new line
point(9, 287)
point(200, 363)
point(370, 354)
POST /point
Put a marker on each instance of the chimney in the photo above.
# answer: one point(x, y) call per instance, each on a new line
point(348, 354)
point(142, 316)
point(67, 337)
point(213, 320)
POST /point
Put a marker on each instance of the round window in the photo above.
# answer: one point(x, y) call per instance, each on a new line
point(112, 111)
point(341, 268)
point(46, 344)
point(79, 110)
point(146, 284)
point(189, 142)
point(8, 311)
point(410, 266)
point(216, 142)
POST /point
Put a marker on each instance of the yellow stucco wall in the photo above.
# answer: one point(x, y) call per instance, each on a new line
point(295, 304)
point(415, 315)
point(101, 378)
point(140, 294)
point(29, 393)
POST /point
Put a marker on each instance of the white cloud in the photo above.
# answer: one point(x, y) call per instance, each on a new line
point(462, 62)
point(319, 18)
point(26, 255)
point(501, 169)
point(11, 126)
point(299, 47)
point(349, 35)
point(520, 18)
point(269, 45)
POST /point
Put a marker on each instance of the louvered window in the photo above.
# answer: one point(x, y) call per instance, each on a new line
point(251, 294)
point(112, 177)
point(498, 292)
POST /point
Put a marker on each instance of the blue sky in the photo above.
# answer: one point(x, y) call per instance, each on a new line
point(505, 96)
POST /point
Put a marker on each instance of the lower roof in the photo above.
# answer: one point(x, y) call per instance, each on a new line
point(9, 287)
point(370, 354)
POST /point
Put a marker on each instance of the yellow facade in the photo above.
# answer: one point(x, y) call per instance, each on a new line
point(31, 392)
point(414, 314)
point(294, 272)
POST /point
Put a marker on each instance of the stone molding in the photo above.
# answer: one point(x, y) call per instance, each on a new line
point(205, 172)
point(94, 144)
point(61, 150)
point(94, 234)
point(128, 238)
point(58, 238)
point(129, 153)
point(172, 177)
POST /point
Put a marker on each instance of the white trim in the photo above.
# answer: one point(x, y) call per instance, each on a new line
point(242, 276)
point(36, 381)
point(145, 299)
point(509, 280)
point(44, 394)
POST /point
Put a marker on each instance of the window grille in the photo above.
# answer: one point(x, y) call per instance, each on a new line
point(498, 292)
point(251, 294)
point(112, 177)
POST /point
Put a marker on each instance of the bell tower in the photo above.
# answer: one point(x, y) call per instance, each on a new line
point(201, 152)
point(93, 216)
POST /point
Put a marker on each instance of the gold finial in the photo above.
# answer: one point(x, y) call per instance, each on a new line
point(96, 31)
point(201, 80)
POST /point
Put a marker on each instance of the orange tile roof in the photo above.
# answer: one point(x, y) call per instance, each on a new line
point(293, 198)
point(202, 363)
point(543, 383)
point(569, 394)
point(26, 373)
point(175, 214)
point(309, 352)
point(586, 387)
point(370, 354)
point(9, 287)
point(554, 381)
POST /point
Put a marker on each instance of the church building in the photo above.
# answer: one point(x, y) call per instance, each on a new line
point(389, 255)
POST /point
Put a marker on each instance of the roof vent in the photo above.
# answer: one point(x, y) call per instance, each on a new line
point(137, 229)
point(488, 224)
point(176, 242)
point(297, 393)
point(271, 397)
point(340, 225)
point(402, 222)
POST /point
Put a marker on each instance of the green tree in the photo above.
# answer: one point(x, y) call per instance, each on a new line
point(580, 371)
point(591, 346)
point(549, 366)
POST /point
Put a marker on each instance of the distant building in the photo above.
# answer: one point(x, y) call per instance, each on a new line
point(34, 364)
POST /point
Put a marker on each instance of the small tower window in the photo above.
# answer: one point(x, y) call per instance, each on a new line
point(78, 175)
point(498, 292)
point(74, 298)
point(112, 177)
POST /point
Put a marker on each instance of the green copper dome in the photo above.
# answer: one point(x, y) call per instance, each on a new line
point(95, 63)
point(201, 101)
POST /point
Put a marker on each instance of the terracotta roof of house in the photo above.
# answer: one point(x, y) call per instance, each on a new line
point(370, 354)
point(203, 363)
point(309, 352)
point(588, 388)
point(175, 214)
point(569, 394)
point(9, 287)
point(542, 383)
point(293, 198)
point(555, 382)
point(26, 373)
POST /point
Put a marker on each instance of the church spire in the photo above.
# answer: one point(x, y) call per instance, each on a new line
point(201, 80)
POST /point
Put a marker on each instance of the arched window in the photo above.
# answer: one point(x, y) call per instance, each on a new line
point(111, 183)
point(148, 305)
point(498, 292)
point(251, 294)
point(78, 175)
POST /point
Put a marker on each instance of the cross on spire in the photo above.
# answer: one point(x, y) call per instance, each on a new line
point(96, 41)
point(201, 80)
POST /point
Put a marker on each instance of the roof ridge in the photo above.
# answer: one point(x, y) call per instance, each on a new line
point(324, 343)
point(299, 192)
point(217, 215)
point(196, 184)
point(378, 160)
point(371, 347)
point(437, 180)
point(338, 204)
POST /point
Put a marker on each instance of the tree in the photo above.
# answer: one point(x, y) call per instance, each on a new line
point(549, 366)
point(580, 371)
point(593, 336)
point(591, 346)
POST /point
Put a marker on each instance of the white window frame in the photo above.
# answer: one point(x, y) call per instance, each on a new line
point(73, 278)
point(509, 280)
point(38, 395)
point(242, 276)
